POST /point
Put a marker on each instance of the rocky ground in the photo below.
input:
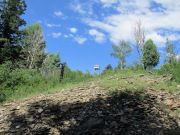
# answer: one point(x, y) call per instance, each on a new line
point(92, 110)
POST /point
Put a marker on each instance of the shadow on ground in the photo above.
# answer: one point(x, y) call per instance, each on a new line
point(120, 113)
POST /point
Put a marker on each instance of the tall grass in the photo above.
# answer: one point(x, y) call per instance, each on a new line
point(18, 82)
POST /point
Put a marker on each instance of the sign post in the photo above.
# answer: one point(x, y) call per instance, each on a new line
point(62, 66)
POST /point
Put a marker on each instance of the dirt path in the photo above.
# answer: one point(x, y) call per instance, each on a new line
point(91, 110)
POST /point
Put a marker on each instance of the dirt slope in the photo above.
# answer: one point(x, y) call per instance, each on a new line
point(91, 110)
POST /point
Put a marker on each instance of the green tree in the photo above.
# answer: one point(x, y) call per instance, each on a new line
point(150, 55)
point(170, 55)
point(121, 51)
point(52, 61)
point(11, 20)
point(10, 23)
point(2, 17)
point(33, 46)
point(108, 67)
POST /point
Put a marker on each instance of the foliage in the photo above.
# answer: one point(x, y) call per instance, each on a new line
point(136, 66)
point(107, 69)
point(11, 79)
point(10, 23)
point(136, 80)
point(150, 55)
point(121, 51)
point(33, 46)
point(75, 76)
point(51, 61)
point(173, 69)
point(23, 80)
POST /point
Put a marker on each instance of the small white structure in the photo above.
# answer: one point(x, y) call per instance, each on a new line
point(96, 67)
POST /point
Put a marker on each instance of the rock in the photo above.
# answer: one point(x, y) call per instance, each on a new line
point(169, 102)
point(112, 78)
point(2, 132)
point(124, 120)
point(31, 119)
point(99, 113)
point(64, 109)
point(114, 124)
point(54, 131)
point(141, 75)
point(175, 106)
point(93, 123)
point(153, 125)
point(107, 132)
point(40, 110)
point(17, 127)
point(18, 107)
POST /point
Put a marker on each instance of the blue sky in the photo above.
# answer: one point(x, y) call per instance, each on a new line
point(83, 31)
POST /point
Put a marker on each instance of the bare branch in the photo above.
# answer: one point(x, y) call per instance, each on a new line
point(139, 36)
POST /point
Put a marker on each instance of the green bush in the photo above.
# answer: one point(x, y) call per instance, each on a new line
point(173, 69)
point(136, 66)
point(14, 81)
point(75, 76)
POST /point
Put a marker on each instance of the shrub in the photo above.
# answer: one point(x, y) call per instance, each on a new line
point(136, 66)
point(173, 69)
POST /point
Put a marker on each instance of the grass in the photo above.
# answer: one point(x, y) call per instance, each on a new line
point(137, 81)
point(28, 91)
point(127, 80)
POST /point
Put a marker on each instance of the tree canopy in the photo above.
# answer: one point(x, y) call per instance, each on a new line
point(121, 51)
point(150, 55)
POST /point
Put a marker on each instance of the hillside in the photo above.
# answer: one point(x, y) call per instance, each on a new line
point(120, 103)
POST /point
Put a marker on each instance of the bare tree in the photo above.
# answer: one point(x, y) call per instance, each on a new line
point(139, 36)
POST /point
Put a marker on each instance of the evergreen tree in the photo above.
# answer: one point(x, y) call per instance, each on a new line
point(10, 33)
point(150, 55)
point(2, 18)
point(12, 21)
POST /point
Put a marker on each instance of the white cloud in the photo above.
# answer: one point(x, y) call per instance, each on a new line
point(120, 25)
point(108, 3)
point(66, 36)
point(56, 34)
point(77, 7)
point(83, 8)
point(50, 25)
point(80, 40)
point(73, 30)
point(58, 13)
point(99, 36)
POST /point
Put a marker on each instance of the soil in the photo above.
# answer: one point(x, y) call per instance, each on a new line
point(92, 110)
